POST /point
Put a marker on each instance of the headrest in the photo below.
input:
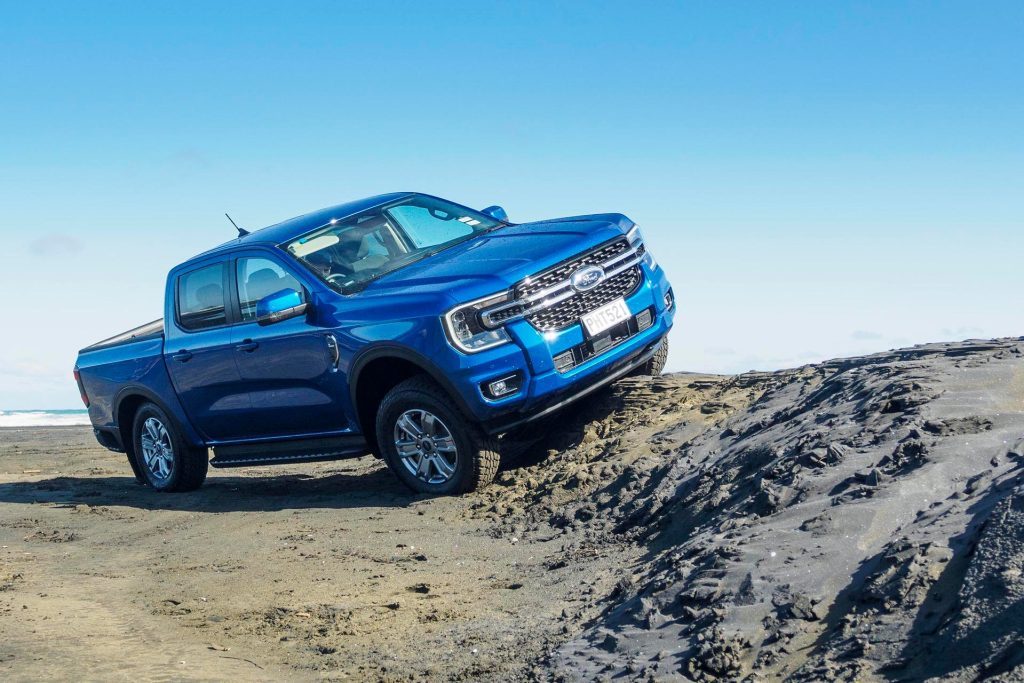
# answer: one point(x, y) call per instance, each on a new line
point(210, 296)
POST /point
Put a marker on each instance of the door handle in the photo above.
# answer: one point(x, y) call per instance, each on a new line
point(248, 346)
point(182, 356)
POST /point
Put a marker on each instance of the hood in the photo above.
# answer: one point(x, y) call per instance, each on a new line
point(503, 257)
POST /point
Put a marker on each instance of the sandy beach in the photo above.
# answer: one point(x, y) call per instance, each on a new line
point(828, 521)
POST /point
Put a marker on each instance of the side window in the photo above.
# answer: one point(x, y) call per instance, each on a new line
point(259, 277)
point(201, 298)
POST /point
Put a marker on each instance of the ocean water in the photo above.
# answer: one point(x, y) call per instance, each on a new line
point(43, 418)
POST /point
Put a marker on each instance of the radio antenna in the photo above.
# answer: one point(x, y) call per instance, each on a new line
point(242, 232)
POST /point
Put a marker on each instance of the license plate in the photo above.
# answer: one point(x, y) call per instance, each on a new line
point(606, 317)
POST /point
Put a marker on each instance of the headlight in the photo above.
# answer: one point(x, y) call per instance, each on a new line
point(636, 240)
point(465, 330)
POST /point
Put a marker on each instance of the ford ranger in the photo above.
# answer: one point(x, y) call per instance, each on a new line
point(403, 325)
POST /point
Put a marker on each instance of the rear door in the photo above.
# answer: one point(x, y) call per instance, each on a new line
point(200, 356)
point(291, 368)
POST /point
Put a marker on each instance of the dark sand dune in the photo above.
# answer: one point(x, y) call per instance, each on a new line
point(858, 519)
point(861, 518)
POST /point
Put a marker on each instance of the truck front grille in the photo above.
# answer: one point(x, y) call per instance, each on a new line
point(562, 272)
point(548, 300)
point(568, 312)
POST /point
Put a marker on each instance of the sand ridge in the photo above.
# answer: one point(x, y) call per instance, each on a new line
point(830, 521)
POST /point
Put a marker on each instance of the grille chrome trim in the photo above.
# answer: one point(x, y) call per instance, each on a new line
point(609, 271)
point(552, 295)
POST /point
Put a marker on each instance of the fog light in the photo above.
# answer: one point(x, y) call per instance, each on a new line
point(565, 362)
point(503, 387)
point(500, 388)
point(643, 320)
point(669, 300)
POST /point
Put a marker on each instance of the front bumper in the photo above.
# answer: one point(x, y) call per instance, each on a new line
point(544, 389)
point(563, 397)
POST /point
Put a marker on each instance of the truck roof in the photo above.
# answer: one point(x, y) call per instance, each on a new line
point(300, 225)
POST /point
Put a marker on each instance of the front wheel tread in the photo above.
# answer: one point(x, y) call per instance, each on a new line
point(655, 365)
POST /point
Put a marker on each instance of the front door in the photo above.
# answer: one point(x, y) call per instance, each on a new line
point(289, 368)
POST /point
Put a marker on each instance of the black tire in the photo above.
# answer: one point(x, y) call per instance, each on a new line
point(655, 365)
point(136, 468)
point(186, 466)
point(476, 456)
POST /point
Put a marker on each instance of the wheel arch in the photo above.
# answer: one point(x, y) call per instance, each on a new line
point(127, 404)
point(378, 369)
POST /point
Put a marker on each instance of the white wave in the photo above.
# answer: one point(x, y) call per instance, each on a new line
point(42, 418)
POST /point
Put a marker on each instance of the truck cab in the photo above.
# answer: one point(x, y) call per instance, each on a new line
point(404, 325)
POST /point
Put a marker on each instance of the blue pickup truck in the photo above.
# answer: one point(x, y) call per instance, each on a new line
point(403, 324)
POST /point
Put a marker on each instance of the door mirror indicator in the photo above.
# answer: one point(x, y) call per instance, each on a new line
point(281, 305)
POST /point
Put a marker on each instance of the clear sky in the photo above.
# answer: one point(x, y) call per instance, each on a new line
point(818, 179)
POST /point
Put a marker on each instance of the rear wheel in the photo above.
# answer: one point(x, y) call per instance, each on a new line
point(134, 462)
point(655, 365)
point(429, 444)
point(166, 461)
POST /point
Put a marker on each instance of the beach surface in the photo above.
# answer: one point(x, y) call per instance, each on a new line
point(857, 519)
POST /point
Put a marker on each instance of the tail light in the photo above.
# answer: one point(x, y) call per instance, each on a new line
point(81, 388)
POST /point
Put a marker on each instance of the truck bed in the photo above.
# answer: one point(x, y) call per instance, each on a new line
point(130, 359)
point(151, 330)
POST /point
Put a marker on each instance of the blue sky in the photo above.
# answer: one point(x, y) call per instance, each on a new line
point(818, 179)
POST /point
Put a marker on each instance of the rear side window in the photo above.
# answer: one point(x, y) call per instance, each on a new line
point(260, 277)
point(201, 298)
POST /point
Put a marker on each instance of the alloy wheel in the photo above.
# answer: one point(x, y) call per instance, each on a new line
point(157, 450)
point(426, 446)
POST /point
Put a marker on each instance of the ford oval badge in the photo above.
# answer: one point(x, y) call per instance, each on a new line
point(586, 278)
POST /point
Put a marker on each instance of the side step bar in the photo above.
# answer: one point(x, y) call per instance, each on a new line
point(283, 452)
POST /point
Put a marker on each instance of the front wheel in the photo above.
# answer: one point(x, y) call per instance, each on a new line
point(429, 444)
point(166, 461)
point(656, 363)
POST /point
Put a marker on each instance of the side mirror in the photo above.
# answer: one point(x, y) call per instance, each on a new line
point(496, 212)
point(279, 306)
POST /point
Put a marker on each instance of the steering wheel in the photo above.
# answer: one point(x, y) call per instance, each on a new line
point(338, 278)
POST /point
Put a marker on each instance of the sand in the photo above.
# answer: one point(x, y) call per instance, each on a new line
point(859, 519)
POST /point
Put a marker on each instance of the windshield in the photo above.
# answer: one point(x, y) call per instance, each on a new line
point(349, 253)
